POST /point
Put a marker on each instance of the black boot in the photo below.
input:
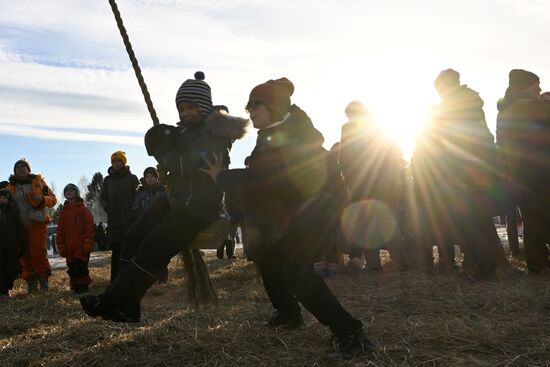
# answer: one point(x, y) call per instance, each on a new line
point(32, 284)
point(121, 300)
point(43, 284)
point(353, 343)
point(289, 322)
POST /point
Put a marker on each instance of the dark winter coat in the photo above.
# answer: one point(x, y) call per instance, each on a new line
point(117, 197)
point(371, 162)
point(185, 153)
point(457, 151)
point(523, 139)
point(286, 170)
point(146, 195)
point(12, 241)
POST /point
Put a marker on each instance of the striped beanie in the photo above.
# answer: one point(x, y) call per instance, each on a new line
point(196, 91)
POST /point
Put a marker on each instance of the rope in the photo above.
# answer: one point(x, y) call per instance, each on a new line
point(134, 61)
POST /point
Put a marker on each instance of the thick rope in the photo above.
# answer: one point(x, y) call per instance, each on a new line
point(134, 61)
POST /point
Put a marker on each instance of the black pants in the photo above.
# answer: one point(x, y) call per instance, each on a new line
point(536, 234)
point(286, 268)
point(10, 267)
point(229, 245)
point(157, 236)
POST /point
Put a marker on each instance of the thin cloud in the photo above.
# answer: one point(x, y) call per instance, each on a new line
point(48, 134)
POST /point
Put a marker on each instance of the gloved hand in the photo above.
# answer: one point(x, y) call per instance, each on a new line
point(160, 139)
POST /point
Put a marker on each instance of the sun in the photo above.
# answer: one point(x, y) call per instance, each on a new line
point(405, 123)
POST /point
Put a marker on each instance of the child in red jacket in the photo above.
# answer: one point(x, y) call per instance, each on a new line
point(75, 235)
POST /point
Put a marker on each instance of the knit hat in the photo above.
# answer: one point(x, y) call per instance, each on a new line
point(520, 79)
point(119, 154)
point(196, 91)
point(447, 78)
point(22, 161)
point(275, 94)
point(151, 171)
point(72, 186)
point(5, 192)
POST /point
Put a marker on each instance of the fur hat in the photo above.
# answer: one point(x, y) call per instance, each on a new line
point(22, 161)
point(151, 171)
point(72, 186)
point(520, 79)
point(196, 91)
point(120, 155)
point(275, 94)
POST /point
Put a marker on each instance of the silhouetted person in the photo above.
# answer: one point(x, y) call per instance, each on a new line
point(454, 169)
point(523, 137)
point(371, 164)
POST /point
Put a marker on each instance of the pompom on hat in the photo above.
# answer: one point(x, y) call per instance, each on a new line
point(197, 92)
point(275, 94)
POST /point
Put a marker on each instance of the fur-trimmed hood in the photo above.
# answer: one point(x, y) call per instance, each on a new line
point(222, 125)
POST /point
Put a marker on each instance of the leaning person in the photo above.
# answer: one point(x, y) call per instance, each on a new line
point(288, 214)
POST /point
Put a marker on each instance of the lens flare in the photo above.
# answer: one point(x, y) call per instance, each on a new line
point(368, 224)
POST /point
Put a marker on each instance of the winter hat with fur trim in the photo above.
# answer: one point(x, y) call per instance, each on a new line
point(120, 155)
point(196, 91)
point(275, 94)
point(23, 161)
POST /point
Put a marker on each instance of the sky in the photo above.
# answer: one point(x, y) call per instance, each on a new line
point(69, 97)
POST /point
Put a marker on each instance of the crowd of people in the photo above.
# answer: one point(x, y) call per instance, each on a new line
point(297, 203)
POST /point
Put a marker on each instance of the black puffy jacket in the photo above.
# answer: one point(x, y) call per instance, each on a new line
point(181, 151)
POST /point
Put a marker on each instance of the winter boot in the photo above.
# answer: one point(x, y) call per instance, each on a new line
point(43, 284)
point(121, 300)
point(32, 285)
point(353, 343)
point(289, 322)
point(80, 289)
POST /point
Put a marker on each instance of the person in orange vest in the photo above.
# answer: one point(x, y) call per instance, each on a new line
point(33, 197)
point(75, 238)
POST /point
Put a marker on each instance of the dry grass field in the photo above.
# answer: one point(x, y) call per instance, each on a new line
point(413, 319)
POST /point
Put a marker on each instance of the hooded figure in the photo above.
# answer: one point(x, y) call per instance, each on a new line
point(193, 201)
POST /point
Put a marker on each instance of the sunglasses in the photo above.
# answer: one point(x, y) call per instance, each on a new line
point(252, 105)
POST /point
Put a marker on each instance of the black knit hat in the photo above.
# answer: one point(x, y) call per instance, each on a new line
point(5, 192)
point(151, 171)
point(22, 161)
point(72, 186)
point(196, 91)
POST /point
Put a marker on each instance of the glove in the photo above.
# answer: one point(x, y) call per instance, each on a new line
point(88, 244)
point(159, 139)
